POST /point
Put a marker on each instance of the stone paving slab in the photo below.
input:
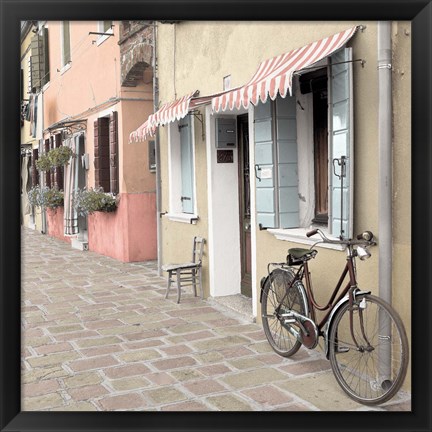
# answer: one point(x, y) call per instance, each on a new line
point(98, 335)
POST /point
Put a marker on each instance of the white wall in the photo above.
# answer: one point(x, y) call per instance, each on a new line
point(223, 210)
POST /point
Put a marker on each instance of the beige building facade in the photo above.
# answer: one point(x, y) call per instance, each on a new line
point(224, 201)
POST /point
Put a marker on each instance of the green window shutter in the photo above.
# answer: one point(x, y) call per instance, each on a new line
point(36, 63)
point(185, 126)
point(286, 144)
point(66, 43)
point(276, 164)
point(45, 58)
point(265, 186)
point(341, 145)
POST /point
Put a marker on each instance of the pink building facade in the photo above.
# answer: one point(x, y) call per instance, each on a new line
point(100, 88)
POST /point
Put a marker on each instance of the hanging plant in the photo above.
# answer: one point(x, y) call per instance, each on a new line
point(60, 156)
point(88, 201)
point(54, 158)
point(46, 197)
point(43, 163)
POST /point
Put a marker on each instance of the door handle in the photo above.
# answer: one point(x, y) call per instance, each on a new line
point(257, 168)
point(185, 198)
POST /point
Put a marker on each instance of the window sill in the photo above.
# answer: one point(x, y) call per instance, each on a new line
point(102, 39)
point(65, 68)
point(183, 217)
point(298, 235)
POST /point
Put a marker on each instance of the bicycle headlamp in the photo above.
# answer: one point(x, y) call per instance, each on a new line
point(367, 235)
point(363, 253)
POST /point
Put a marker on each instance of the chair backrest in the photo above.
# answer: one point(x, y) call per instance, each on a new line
point(198, 249)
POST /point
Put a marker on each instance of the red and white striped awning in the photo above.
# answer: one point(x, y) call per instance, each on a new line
point(168, 113)
point(275, 75)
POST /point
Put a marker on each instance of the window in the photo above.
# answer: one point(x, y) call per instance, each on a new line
point(65, 43)
point(106, 153)
point(293, 189)
point(181, 167)
point(104, 27)
point(152, 156)
point(39, 61)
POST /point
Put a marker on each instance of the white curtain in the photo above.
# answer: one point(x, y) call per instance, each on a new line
point(70, 185)
point(25, 206)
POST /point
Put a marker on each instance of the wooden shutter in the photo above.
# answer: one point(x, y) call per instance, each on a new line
point(276, 164)
point(287, 168)
point(45, 58)
point(341, 144)
point(113, 147)
point(66, 51)
point(34, 171)
point(264, 165)
point(101, 153)
point(58, 171)
point(39, 60)
point(152, 155)
point(186, 156)
point(36, 63)
point(47, 173)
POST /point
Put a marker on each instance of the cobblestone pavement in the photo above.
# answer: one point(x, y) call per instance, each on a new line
point(99, 335)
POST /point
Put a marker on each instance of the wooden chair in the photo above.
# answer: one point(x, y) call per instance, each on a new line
point(189, 273)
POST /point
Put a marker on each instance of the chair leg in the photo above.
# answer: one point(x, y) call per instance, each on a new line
point(178, 286)
point(194, 275)
point(169, 285)
point(200, 283)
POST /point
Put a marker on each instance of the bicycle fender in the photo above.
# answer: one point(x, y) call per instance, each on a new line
point(328, 325)
point(262, 283)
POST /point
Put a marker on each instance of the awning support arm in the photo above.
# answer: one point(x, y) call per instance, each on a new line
point(361, 61)
point(197, 114)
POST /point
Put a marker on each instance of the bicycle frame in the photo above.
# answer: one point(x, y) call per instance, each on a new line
point(349, 288)
point(336, 299)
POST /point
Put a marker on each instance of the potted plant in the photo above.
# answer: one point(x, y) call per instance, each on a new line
point(60, 156)
point(46, 197)
point(87, 201)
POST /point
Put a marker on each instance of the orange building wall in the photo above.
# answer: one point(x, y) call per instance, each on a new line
point(91, 88)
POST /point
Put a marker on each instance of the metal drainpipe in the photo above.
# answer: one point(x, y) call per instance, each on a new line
point(157, 157)
point(385, 191)
point(385, 159)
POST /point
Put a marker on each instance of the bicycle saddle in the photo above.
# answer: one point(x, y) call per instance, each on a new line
point(302, 254)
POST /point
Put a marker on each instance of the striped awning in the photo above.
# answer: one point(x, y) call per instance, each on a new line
point(275, 75)
point(168, 113)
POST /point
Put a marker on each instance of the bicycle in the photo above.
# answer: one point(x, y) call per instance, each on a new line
point(364, 337)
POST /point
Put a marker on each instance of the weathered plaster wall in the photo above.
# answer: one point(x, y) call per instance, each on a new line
point(236, 49)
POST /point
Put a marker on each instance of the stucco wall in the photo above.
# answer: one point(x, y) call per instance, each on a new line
point(236, 49)
point(89, 88)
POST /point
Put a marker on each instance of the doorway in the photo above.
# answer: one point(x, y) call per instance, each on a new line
point(244, 204)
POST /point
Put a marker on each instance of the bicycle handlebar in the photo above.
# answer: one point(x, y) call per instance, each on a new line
point(365, 237)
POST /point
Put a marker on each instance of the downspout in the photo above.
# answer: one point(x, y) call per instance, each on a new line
point(157, 156)
point(385, 192)
point(385, 159)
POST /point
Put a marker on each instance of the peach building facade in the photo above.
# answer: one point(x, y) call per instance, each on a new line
point(91, 103)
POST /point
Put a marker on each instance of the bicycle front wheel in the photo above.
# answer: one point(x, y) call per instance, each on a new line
point(274, 302)
point(370, 358)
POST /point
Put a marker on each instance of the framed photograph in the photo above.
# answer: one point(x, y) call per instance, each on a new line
point(135, 134)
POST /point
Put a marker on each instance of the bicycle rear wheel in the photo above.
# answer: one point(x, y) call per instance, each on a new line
point(372, 372)
point(280, 339)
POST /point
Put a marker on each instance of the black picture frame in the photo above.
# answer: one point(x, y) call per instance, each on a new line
point(13, 11)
